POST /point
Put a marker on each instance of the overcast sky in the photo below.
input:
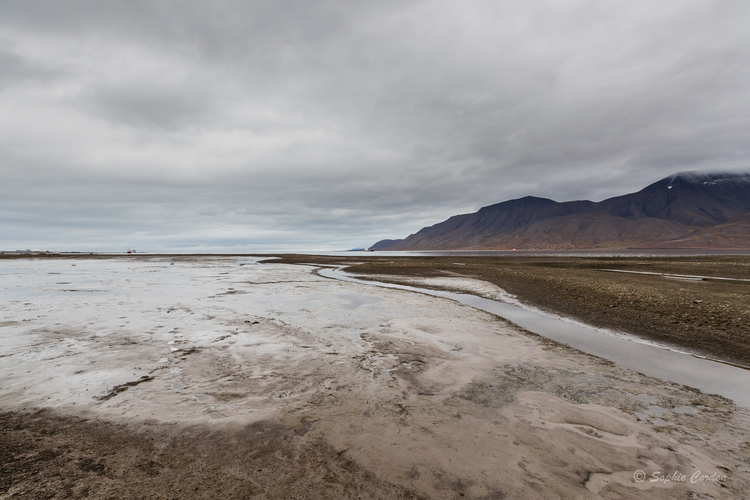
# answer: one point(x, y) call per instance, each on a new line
point(252, 125)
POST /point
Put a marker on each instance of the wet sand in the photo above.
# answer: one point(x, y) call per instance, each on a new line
point(703, 303)
point(192, 377)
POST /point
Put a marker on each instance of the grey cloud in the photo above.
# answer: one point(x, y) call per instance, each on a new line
point(145, 105)
point(335, 123)
point(16, 70)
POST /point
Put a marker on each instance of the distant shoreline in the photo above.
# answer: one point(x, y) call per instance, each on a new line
point(599, 252)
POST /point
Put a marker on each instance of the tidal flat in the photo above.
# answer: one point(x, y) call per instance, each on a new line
point(699, 302)
point(224, 377)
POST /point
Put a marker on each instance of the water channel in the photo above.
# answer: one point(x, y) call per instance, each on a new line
point(666, 363)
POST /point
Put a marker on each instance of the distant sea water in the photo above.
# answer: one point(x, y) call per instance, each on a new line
point(639, 252)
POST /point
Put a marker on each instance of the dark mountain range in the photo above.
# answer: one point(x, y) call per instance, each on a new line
point(685, 210)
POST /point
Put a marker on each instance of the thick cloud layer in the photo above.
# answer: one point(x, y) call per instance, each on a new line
point(232, 126)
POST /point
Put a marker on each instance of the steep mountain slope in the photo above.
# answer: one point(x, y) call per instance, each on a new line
point(690, 198)
point(684, 210)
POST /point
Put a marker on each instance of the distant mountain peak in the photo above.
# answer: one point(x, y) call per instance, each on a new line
point(525, 201)
point(696, 177)
point(685, 210)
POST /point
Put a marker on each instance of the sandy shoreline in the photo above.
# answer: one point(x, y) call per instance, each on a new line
point(272, 382)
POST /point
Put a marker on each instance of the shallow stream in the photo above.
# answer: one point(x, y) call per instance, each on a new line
point(657, 361)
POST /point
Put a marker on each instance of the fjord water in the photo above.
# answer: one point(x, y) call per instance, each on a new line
point(670, 364)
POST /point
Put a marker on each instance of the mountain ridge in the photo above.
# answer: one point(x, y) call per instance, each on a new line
point(683, 210)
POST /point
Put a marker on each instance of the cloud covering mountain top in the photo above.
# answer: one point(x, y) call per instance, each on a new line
point(322, 125)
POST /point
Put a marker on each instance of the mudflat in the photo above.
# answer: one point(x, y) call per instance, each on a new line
point(701, 303)
point(216, 377)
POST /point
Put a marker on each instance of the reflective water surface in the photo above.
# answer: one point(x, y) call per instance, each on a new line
point(653, 360)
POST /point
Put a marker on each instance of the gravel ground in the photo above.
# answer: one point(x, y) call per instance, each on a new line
point(44, 455)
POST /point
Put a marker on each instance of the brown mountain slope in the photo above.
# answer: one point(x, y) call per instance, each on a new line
point(687, 210)
point(690, 198)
